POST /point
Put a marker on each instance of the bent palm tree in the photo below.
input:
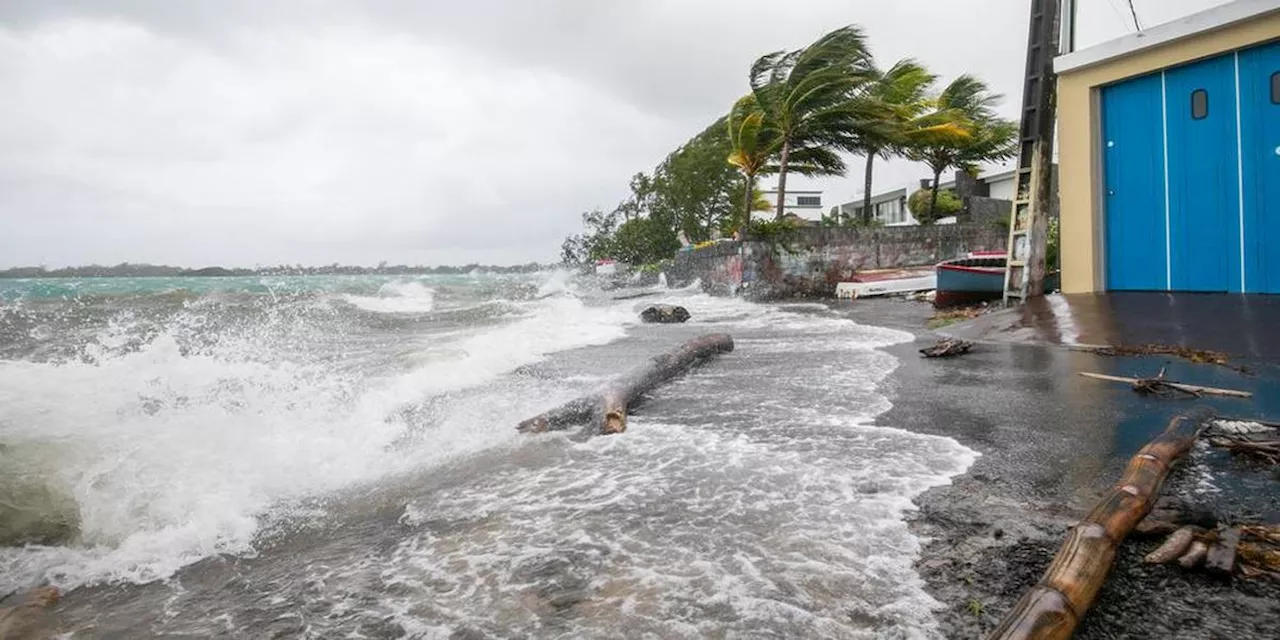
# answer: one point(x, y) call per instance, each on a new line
point(806, 98)
point(901, 96)
point(967, 103)
point(751, 148)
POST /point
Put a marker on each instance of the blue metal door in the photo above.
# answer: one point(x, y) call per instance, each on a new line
point(1260, 161)
point(1204, 187)
point(1133, 168)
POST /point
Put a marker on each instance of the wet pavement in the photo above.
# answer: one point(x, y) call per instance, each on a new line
point(1241, 325)
point(1053, 442)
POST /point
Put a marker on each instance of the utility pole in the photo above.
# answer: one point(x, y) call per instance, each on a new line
point(1033, 194)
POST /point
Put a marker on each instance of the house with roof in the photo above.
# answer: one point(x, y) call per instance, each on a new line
point(890, 207)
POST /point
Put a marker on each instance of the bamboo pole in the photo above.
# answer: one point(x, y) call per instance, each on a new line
point(1053, 607)
point(1189, 388)
point(605, 411)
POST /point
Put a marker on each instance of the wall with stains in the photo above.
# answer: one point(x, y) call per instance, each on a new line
point(810, 262)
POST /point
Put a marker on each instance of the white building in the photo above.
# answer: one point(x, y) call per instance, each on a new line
point(890, 207)
point(800, 203)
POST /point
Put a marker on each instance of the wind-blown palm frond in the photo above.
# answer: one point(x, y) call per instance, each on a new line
point(964, 131)
point(751, 144)
point(807, 99)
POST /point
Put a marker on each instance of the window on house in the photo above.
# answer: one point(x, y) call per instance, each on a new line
point(809, 201)
point(1275, 88)
point(1199, 104)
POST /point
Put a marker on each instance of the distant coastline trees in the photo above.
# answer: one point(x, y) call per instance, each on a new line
point(805, 108)
point(142, 270)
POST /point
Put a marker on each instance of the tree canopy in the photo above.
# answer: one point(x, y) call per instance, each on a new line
point(804, 109)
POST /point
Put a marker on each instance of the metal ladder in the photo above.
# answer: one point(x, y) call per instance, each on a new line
point(1028, 223)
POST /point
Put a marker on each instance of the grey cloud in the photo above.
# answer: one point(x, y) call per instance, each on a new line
point(263, 131)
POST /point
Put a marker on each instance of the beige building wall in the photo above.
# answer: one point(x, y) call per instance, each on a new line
point(1079, 137)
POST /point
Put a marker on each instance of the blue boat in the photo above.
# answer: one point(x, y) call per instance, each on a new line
point(975, 279)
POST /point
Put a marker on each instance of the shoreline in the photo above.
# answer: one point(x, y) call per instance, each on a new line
point(1051, 443)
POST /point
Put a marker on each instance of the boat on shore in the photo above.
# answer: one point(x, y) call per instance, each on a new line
point(885, 282)
point(975, 279)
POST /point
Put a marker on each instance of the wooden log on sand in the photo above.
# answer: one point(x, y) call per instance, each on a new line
point(1054, 606)
point(606, 410)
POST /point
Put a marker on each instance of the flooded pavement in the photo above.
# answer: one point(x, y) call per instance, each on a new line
point(1240, 325)
point(1052, 442)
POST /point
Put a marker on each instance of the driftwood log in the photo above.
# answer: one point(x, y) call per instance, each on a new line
point(1055, 605)
point(605, 412)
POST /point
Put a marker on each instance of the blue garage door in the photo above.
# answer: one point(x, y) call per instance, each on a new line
point(1260, 155)
point(1191, 164)
point(1204, 182)
point(1133, 164)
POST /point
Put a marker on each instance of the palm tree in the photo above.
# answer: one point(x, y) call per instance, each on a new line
point(751, 148)
point(901, 95)
point(805, 98)
point(967, 103)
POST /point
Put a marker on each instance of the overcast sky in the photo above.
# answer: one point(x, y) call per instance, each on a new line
point(244, 132)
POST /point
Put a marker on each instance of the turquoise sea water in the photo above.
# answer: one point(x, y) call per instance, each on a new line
point(316, 457)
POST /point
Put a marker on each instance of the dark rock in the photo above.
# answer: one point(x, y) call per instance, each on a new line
point(665, 314)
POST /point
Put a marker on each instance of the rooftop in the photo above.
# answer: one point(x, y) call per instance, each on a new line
point(1219, 17)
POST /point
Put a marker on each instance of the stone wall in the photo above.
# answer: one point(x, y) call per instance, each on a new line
point(811, 261)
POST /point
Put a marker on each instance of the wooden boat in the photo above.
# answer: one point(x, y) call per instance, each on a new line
point(975, 279)
point(884, 282)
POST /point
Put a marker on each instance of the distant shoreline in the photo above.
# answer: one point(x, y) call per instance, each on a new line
point(163, 271)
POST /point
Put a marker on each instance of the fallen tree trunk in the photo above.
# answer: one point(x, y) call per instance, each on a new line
point(1055, 605)
point(606, 410)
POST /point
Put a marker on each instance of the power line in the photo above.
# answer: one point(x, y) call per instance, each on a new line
point(1119, 13)
point(1134, 11)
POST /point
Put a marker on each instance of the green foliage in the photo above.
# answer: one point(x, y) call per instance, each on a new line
point(595, 242)
point(692, 191)
point(694, 188)
point(948, 205)
point(751, 146)
point(770, 231)
point(643, 240)
point(975, 607)
point(805, 103)
point(836, 219)
point(1053, 246)
point(906, 118)
point(966, 104)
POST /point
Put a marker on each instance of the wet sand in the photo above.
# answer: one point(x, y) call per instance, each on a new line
point(1051, 443)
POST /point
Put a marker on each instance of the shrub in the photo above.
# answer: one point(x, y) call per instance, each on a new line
point(948, 205)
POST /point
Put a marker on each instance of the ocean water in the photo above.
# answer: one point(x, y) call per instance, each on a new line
point(336, 457)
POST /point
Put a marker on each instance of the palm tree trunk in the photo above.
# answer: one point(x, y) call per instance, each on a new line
point(748, 199)
point(782, 179)
point(933, 198)
point(867, 216)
